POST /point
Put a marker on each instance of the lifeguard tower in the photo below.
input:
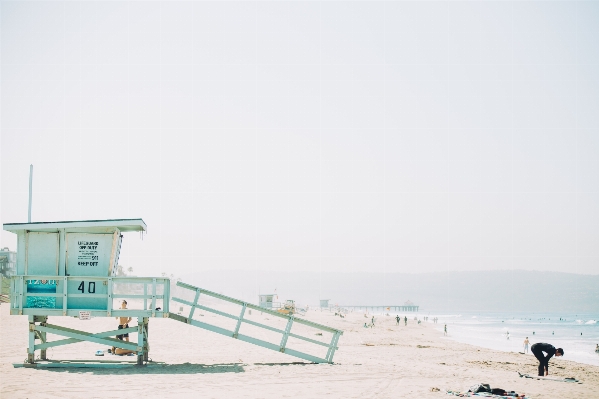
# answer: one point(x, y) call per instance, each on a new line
point(266, 301)
point(69, 269)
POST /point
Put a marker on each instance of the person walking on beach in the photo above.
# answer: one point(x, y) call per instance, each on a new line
point(397, 320)
point(526, 342)
point(405, 320)
point(373, 321)
point(445, 330)
point(538, 349)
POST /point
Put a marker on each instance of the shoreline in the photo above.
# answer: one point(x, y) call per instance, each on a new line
point(459, 340)
point(386, 361)
point(492, 335)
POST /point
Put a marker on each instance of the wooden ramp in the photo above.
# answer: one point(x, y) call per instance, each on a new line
point(283, 338)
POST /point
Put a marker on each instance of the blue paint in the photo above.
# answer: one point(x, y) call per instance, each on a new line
point(41, 287)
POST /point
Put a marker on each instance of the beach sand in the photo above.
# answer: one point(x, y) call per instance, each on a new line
point(387, 361)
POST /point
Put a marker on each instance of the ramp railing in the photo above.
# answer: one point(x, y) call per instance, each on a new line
point(241, 320)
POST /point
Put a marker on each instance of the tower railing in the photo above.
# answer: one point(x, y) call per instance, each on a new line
point(154, 297)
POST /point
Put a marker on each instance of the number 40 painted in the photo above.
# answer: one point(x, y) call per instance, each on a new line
point(91, 287)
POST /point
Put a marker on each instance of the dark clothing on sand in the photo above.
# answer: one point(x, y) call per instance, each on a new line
point(537, 350)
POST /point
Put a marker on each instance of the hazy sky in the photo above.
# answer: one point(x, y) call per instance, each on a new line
point(332, 136)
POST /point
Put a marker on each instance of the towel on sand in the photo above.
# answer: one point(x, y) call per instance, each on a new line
point(486, 394)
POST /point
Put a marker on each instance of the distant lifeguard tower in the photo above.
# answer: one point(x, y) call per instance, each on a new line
point(69, 269)
point(266, 301)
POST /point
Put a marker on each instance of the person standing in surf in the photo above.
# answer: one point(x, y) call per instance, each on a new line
point(538, 349)
point(526, 342)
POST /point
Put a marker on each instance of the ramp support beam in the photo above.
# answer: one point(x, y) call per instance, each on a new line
point(286, 334)
point(332, 347)
point(238, 326)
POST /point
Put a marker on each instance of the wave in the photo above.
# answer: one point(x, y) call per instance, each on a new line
point(591, 322)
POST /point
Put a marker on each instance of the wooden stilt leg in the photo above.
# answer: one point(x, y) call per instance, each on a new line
point(31, 348)
point(146, 343)
point(140, 341)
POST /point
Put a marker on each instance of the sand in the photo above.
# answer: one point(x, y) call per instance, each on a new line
point(387, 361)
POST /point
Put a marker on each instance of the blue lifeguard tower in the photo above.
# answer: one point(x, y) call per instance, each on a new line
point(69, 269)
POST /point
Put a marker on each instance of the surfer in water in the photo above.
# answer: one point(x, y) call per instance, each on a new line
point(538, 349)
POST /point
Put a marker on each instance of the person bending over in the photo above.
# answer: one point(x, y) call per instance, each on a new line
point(538, 349)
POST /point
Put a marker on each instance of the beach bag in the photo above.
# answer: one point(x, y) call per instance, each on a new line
point(480, 388)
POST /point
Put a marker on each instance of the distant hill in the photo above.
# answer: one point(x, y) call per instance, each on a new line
point(488, 291)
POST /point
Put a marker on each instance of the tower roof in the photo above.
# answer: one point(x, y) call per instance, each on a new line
point(79, 225)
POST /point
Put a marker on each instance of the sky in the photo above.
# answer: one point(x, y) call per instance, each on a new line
point(315, 136)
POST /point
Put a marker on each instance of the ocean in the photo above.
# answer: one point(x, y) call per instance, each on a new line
point(577, 334)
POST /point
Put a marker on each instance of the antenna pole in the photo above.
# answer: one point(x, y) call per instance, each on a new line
point(30, 191)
